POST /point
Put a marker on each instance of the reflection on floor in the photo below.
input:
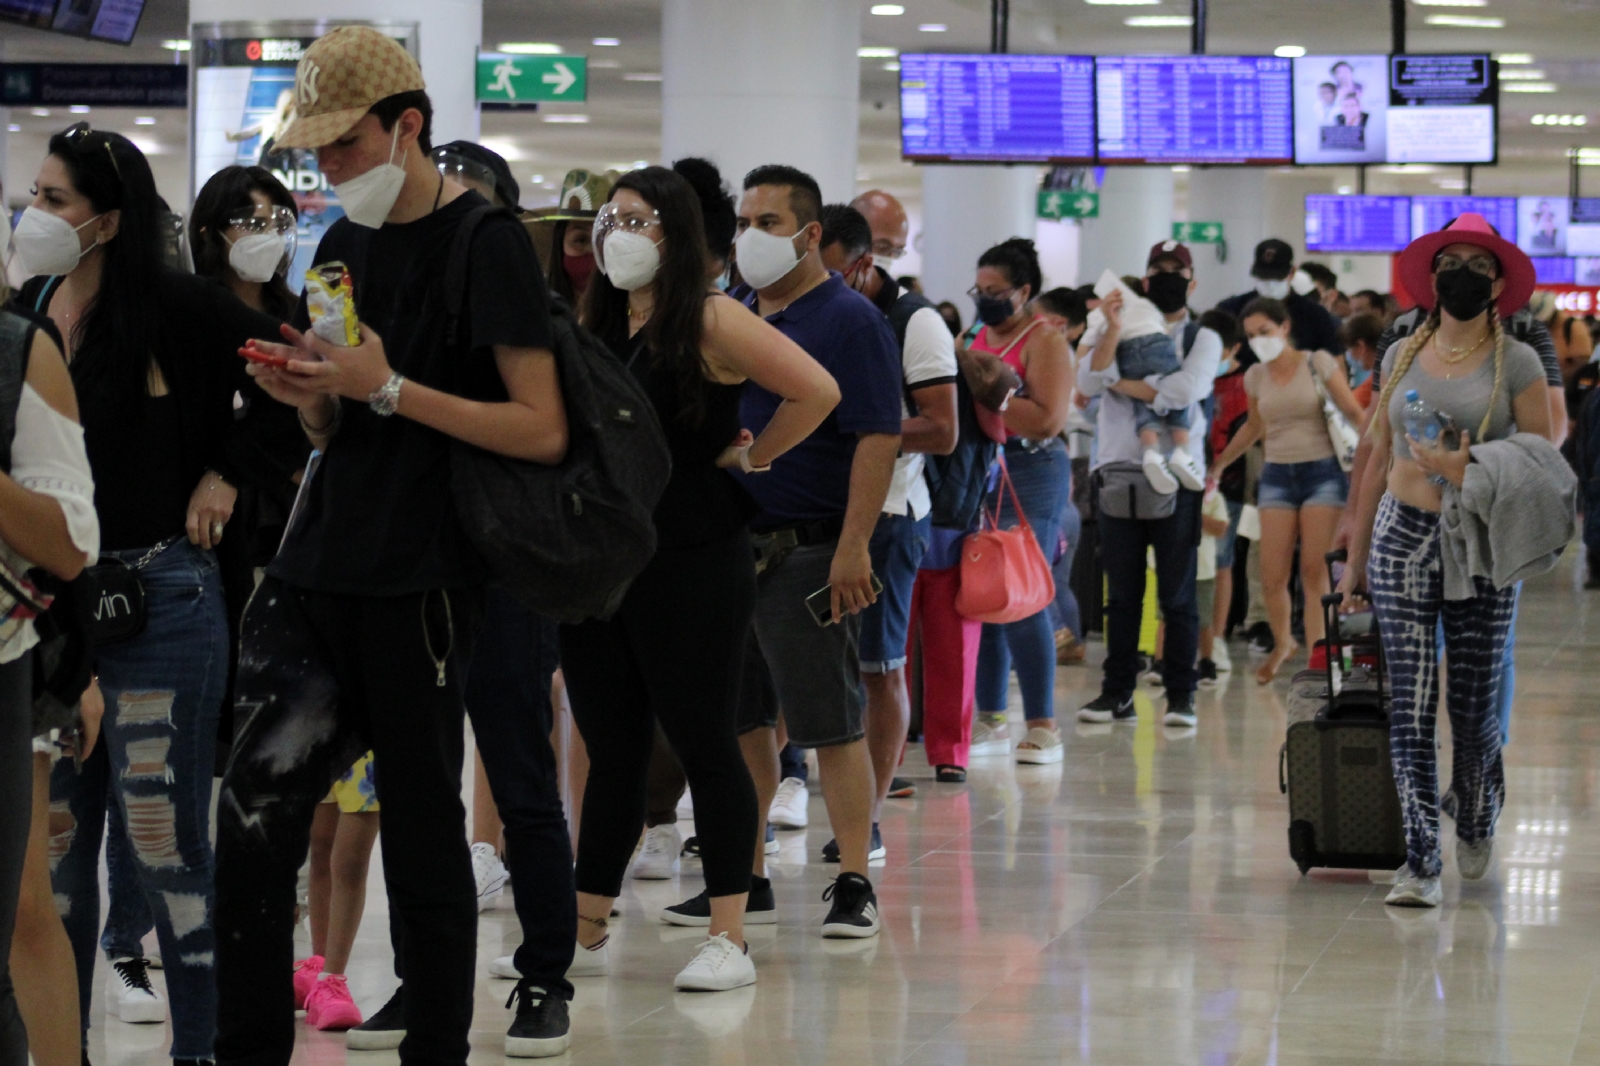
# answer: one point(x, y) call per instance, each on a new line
point(1134, 905)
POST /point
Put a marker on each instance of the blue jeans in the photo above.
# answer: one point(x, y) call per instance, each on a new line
point(163, 692)
point(897, 546)
point(1041, 479)
point(1142, 357)
point(1064, 612)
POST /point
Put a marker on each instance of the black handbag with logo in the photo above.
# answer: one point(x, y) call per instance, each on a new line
point(108, 600)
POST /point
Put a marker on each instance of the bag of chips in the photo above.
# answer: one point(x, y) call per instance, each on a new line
point(331, 302)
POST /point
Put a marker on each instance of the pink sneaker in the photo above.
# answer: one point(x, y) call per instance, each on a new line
point(305, 976)
point(329, 1007)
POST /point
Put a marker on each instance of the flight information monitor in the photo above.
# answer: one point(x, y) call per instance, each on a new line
point(1442, 109)
point(1429, 213)
point(1553, 270)
point(1357, 223)
point(997, 108)
point(1195, 109)
point(100, 20)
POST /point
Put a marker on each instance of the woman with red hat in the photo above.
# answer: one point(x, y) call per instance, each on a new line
point(1460, 363)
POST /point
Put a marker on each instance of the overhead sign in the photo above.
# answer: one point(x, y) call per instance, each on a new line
point(509, 79)
point(1197, 232)
point(1061, 204)
point(146, 85)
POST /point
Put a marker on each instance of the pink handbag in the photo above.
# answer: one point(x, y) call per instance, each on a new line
point(1004, 574)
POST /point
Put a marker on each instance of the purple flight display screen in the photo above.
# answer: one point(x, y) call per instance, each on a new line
point(1195, 109)
point(1554, 270)
point(1003, 108)
point(1357, 223)
point(1429, 213)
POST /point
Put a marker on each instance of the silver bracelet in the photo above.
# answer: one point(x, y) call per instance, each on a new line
point(386, 398)
point(323, 431)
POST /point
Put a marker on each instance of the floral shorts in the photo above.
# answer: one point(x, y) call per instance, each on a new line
point(356, 791)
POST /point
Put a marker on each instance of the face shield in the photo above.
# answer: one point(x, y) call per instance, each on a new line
point(640, 220)
point(468, 172)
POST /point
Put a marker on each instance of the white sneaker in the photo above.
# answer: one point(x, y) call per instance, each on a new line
point(1473, 860)
point(1413, 891)
point(1156, 472)
point(130, 995)
point(658, 859)
point(490, 873)
point(719, 965)
point(989, 740)
point(590, 962)
point(1219, 655)
point(1041, 747)
point(788, 810)
point(1186, 470)
point(505, 966)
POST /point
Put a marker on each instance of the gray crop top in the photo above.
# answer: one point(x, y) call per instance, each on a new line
point(1463, 399)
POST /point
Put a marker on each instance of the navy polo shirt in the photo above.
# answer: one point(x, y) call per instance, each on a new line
point(842, 330)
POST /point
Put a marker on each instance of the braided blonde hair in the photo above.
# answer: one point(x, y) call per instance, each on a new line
point(1499, 335)
point(1415, 344)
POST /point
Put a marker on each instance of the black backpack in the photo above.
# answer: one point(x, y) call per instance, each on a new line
point(956, 482)
point(565, 539)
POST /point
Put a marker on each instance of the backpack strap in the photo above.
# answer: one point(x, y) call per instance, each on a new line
point(14, 334)
point(1191, 330)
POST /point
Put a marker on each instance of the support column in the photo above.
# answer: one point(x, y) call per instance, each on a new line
point(965, 211)
point(1135, 212)
point(1238, 198)
point(749, 82)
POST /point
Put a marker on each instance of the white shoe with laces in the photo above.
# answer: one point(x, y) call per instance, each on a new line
point(130, 995)
point(719, 965)
point(490, 874)
point(1156, 472)
point(658, 859)
point(1186, 470)
point(1473, 860)
point(789, 806)
point(1219, 655)
point(1413, 891)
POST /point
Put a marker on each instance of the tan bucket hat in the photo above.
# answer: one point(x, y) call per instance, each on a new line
point(340, 77)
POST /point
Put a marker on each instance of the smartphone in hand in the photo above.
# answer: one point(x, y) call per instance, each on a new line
point(256, 355)
point(820, 602)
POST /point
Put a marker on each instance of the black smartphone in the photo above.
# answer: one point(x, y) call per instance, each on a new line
point(820, 602)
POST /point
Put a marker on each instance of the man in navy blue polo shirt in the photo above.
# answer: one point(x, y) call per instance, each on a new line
point(819, 505)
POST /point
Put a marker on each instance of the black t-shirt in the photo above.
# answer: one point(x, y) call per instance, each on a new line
point(379, 518)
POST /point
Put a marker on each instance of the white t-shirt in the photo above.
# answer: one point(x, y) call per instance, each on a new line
point(928, 358)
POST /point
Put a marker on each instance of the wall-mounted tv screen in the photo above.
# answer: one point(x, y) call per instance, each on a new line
point(1380, 224)
point(1355, 109)
point(1194, 109)
point(1429, 213)
point(99, 20)
point(1583, 228)
point(1341, 109)
point(997, 108)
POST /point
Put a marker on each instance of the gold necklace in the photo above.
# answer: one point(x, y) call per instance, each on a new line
point(1440, 348)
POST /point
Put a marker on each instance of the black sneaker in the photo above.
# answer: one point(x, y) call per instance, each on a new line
point(854, 914)
point(1208, 674)
point(384, 1030)
point(1180, 712)
point(540, 1028)
point(902, 788)
point(875, 851)
point(760, 909)
point(950, 775)
point(1261, 639)
point(1108, 708)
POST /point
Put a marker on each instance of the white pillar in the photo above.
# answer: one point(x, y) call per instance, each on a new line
point(965, 211)
point(1135, 213)
point(750, 82)
point(1236, 197)
point(448, 35)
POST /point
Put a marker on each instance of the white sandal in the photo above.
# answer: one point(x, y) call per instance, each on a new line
point(1041, 746)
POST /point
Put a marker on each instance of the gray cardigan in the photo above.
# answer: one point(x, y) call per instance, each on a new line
point(1512, 517)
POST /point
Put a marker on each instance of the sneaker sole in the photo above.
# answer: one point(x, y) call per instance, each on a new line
point(1412, 901)
point(583, 965)
point(993, 747)
point(508, 973)
point(1187, 482)
point(787, 824)
point(902, 793)
point(715, 986)
point(690, 921)
point(1173, 722)
point(142, 1014)
point(838, 931)
point(1041, 756)
point(528, 1047)
point(655, 875)
point(770, 848)
point(336, 1026)
point(374, 1040)
point(1164, 483)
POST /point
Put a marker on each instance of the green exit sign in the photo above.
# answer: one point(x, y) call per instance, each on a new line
point(1060, 204)
point(508, 79)
point(1197, 232)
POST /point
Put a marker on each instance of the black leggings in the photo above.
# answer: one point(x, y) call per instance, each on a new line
point(672, 654)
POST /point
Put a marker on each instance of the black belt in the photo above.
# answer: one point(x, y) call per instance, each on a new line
point(1014, 445)
point(807, 533)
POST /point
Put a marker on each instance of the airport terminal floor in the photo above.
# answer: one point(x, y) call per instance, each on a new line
point(1134, 904)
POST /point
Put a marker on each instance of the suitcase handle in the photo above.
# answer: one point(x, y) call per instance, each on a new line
point(1283, 758)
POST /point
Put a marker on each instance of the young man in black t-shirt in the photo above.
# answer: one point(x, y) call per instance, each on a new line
point(360, 634)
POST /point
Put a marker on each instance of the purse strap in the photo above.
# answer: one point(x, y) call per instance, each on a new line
point(1005, 480)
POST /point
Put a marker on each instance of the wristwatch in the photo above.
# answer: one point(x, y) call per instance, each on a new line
point(744, 461)
point(386, 398)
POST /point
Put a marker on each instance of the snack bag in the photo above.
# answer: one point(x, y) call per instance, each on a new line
point(330, 300)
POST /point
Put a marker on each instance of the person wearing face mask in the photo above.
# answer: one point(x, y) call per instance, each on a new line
point(673, 653)
point(563, 234)
point(1314, 328)
point(1302, 490)
point(360, 635)
point(1462, 362)
point(1361, 334)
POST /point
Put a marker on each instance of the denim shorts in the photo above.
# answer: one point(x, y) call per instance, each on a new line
point(897, 546)
point(1291, 486)
point(1225, 542)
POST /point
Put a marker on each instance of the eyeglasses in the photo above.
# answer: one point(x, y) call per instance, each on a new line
point(883, 248)
point(78, 131)
point(976, 293)
point(279, 220)
point(1487, 265)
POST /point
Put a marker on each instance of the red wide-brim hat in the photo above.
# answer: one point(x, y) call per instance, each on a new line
point(1416, 262)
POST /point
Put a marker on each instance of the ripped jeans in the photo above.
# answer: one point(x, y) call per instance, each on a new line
point(163, 692)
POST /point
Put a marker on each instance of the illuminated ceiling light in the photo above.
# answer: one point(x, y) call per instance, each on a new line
point(1181, 169)
point(145, 120)
point(576, 120)
point(79, 109)
point(14, 128)
point(1522, 75)
point(642, 75)
point(40, 112)
point(639, 164)
point(892, 65)
point(1469, 22)
point(605, 42)
point(1529, 87)
point(175, 46)
point(933, 27)
point(1451, 3)
point(888, 9)
point(1514, 57)
point(1289, 51)
point(877, 53)
point(530, 48)
point(1158, 21)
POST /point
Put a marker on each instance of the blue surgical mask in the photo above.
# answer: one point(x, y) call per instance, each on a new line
point(1358, 373)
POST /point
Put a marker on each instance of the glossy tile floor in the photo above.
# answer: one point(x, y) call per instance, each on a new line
point(1134, 905)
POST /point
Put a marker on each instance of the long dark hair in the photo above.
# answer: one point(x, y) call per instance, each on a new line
point(227, 192)
point(115, 340)
point(678, 322)
point(556, 274)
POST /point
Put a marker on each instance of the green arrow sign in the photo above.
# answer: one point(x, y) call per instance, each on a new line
point(1197, 232)
point(1059, 204)
point(508, 79)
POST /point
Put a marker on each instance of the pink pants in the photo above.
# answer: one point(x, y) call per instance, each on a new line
point(949, 660)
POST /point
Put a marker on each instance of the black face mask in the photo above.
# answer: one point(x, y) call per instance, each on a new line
point(1168, 291)
point(995, 310)
point(1464, 293)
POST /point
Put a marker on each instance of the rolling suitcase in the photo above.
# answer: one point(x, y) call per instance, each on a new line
point(1344, 811)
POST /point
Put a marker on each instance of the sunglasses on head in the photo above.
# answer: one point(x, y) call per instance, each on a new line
point(77, 135)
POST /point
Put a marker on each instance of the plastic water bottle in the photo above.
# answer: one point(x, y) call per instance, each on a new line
point(1426, 426)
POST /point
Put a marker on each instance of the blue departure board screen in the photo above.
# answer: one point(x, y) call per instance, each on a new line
point(1000, 108)
point(1195, 109)
point(1429, 213)
point(1554, 270)
point(1357, 223)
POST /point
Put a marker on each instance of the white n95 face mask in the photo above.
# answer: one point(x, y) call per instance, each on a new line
point(48, 244)
point(630, 260)
point(256, 256)
point(1267, 348)
point(368, 198)
point(765, 258)
point(1273, 290)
